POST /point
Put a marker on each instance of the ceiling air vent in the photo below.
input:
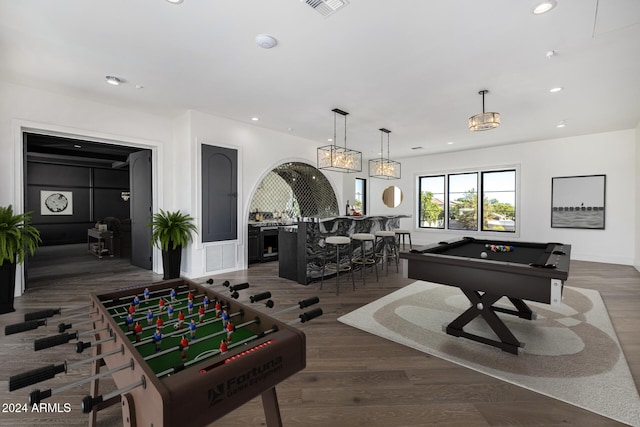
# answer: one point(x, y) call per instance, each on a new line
point(326, 7)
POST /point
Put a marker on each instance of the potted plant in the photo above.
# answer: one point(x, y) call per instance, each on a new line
point(17, 236)
point(171, 231)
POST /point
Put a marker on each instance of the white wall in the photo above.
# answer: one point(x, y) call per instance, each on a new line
point(636, 261)
point(612, 154)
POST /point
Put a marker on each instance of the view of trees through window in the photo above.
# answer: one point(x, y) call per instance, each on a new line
point(360, 202)
point(454, 197)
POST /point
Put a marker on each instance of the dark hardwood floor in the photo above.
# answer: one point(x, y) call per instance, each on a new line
point(352, 378)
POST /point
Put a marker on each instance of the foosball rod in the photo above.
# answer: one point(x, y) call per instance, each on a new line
point(89, 402)
point(181, 331)
point(35, 324)
point(301, 304)
point(36, 396)
point(55, 340)
point(304, 317)
point(47, 372)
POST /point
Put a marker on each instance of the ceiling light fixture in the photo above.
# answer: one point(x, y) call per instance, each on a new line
point(336, 158)
point(484, 120)
point(544, 7)
point(384, 168)
point(555, 89)
point(561, 124)
point(175, 1)
point(255, 119)
point(113, 80)
point(266, 41)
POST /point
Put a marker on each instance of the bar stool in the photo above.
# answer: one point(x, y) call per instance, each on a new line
point(400, 233)
point(388, 250)
point(341, 245)
point(366, 258)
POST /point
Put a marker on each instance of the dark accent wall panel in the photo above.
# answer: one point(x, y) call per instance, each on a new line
point(58, 175)
point(219, 194)
point(110, 178)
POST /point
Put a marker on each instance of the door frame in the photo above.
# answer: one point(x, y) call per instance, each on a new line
point(19, 127)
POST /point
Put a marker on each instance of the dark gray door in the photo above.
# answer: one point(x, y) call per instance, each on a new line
point(219, 194)
point(141, 204)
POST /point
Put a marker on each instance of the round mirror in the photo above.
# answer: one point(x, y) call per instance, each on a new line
point(392, 196)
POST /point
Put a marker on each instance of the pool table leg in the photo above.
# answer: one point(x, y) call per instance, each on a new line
point(482, 305)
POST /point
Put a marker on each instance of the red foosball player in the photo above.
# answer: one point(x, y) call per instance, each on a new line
point(218, 308)
point(190, 296)
point(149, 317)
point(159, 322)
point(132, 309)
point(201, 313)
point(161, 305)
point(230, 329)
point(138, 330)
point(184, 343)
point(157, 337)
point(180, 319)
point(223, 346)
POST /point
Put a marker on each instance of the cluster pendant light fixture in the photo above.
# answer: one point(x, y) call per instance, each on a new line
point(340, 159)
point(384, 168)
point(484, 120)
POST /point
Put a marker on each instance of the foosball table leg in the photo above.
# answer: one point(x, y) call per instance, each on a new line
point(128, 411)
point(271, 408)
point(95, 384)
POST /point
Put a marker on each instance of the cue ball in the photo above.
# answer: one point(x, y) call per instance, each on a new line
point(483, 254)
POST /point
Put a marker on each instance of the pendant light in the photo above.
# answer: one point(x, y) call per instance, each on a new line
point(484, 120)
point(336, 158)
point(384, 168)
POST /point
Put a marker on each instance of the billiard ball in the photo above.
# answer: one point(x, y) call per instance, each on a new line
point(483, 254)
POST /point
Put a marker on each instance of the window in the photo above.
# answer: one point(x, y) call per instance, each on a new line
point(360, 202)
point(455, 197)
point(499, 201)
point(431, 191)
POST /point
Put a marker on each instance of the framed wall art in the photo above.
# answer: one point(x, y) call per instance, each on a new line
point(56, 202)
point(578, 202)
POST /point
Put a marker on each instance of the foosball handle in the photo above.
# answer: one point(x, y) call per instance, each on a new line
point(48, 342)
point(80, 346)
point(42, 314)
point(88, 402)
point(260, 296)
point(34, 376)
point(308, 302)
point(209, 281)
point(36, 396)
point(270, 303)
point(305, 317)
point(63, 327)
point(25, 326)
point(226, 283)
point(239, 287)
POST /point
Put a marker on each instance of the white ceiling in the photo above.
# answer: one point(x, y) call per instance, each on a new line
point(412, 66)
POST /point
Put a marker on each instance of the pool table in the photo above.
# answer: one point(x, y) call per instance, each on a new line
point(488, 270)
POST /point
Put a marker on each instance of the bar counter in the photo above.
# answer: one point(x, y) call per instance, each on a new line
point(302, 245)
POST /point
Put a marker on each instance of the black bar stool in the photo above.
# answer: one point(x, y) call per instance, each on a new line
point(366, 258)
point(400, 234)
point(340, 246)
point(386, 248)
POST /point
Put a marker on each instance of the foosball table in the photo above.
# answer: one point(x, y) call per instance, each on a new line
point(176, 347)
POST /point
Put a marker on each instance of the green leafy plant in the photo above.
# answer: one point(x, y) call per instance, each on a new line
point(17, 235)
point(171, 228)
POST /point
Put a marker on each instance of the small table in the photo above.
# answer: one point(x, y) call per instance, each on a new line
point(99, 248)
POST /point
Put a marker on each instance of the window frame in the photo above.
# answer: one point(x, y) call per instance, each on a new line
point(480, 208)
point(364, 194)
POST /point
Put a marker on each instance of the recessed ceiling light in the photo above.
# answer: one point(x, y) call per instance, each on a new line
point(550, 54)
point(113, 80)
point(139, 87)
point(175, 1)
point(255, 119)
point(266, 41)
point(450, 143)
point(330, 139)
point(555, 89)
point(417, 148)
point(544, 7)
point(77, 146)
point(561, 124)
